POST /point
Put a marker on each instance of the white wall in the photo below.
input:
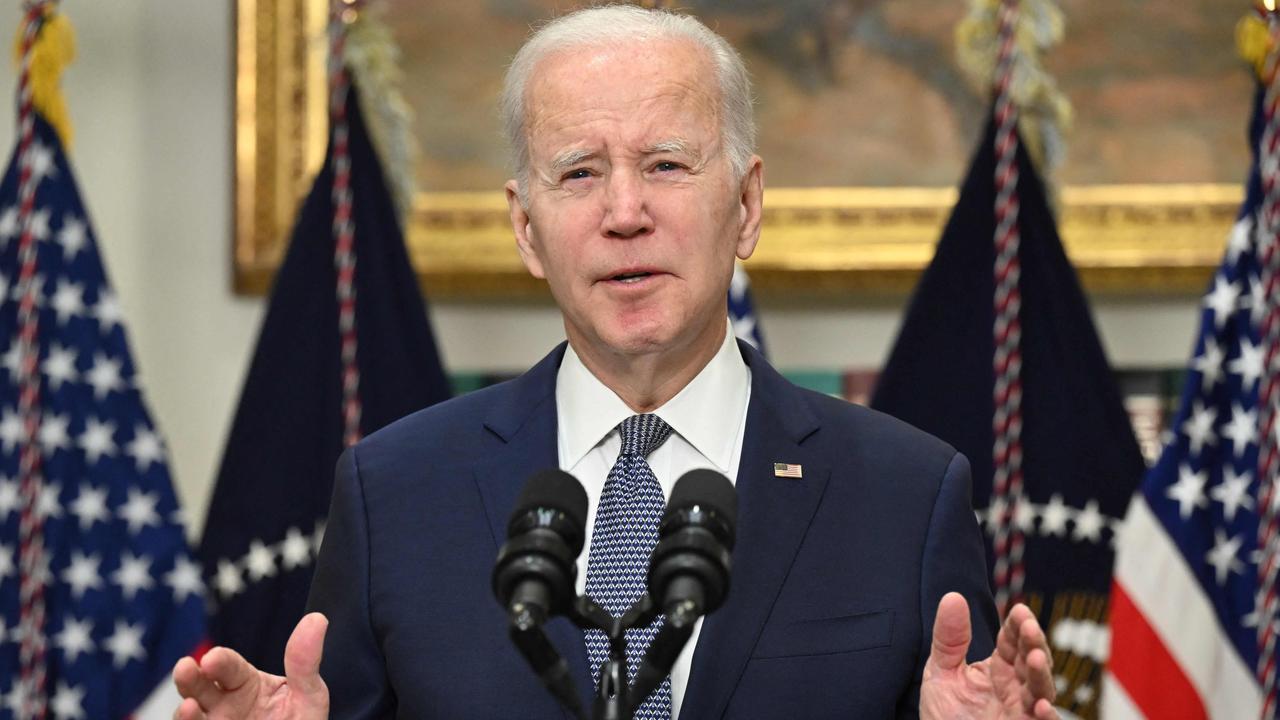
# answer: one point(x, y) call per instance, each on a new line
point(1136, 331)
point(149, 95)
point(150, 98)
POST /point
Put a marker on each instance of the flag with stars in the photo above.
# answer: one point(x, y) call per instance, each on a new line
point(124, 599)
point(267, 514)
point(1080, 458)
point(742, 310)
point(1183, 637)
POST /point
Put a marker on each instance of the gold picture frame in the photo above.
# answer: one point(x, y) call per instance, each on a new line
point(823, 242)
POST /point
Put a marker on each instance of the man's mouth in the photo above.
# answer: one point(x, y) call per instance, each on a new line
point(631, 277)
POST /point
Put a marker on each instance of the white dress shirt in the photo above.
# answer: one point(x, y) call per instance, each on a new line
point(707, 418)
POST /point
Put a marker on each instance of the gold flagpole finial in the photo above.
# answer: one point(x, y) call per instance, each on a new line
point(53, 50)
point(1256, 38)
point(348, 11)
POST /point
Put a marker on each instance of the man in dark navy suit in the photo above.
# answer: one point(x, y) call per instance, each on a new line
point(859, 583)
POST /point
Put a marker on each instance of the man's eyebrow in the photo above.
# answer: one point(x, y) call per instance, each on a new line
point(674, 145)
point(568, 158)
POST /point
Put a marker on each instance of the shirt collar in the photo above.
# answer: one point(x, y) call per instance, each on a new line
point(701, 413)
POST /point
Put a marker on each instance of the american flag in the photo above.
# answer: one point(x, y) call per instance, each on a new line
point(123, 597)
point(1184, 634)
point(742, 310)
point(787, 470)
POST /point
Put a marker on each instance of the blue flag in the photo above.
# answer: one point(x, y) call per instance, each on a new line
point(124, 599)
point(272, 495)
point(1081, 461)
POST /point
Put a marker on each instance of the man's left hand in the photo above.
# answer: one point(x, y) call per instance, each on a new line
point(1015, 682)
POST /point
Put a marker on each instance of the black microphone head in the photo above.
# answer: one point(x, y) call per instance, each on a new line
point(534, 574)
point(689, 570)
point(555, 490)
point(710, 491)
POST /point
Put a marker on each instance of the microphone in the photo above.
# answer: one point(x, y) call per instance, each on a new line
point(689, 570)
point(535, 572)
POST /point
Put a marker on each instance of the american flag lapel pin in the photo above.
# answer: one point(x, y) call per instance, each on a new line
point(787, 470)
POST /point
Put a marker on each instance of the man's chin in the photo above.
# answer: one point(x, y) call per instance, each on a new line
point(635, 339)
point(638, 344)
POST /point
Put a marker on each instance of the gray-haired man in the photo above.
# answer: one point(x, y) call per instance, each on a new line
point(635, 190)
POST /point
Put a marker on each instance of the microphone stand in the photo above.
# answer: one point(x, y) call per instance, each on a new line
point(665, 648)
point(527, 634)
point(613, 690)
point(616, 698)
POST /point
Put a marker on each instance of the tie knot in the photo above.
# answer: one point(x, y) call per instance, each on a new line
point(642, 434)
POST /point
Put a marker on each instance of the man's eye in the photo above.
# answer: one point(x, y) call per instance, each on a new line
point(666, 166)
point(578, 174)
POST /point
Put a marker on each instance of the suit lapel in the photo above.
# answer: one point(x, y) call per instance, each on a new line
point(521, 440)
point(773, 516)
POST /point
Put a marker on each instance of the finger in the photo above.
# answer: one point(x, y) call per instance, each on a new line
point(1044, 710)
point(1033, 668)
point(1008, 637)
point(189, 710)
point(1039, 676)
point(1043, 646)
point(194, 685)
point(1036, 659)
point(227, 668)
point(951, 632)
point(302, 656)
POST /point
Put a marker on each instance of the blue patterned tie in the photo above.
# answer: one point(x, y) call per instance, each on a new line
point(622, 539)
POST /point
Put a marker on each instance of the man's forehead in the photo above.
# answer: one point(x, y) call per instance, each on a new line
point(628, 73)
point(659, 96)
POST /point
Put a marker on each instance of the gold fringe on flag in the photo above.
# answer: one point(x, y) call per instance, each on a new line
point(53, 51)
point(373, 59)
point(1043, 110)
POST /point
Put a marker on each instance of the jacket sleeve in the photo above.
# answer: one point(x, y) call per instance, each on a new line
point(353, 665)
point(955, 559)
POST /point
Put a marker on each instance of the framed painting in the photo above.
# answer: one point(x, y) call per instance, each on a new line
point(866, 127)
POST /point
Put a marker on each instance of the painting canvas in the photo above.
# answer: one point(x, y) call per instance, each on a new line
point(868, 92)
point(865, 122)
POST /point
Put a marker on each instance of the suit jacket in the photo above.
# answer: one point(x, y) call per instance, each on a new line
point(836, 576)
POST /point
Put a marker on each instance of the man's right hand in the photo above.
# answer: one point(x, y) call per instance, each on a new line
point(224, 685)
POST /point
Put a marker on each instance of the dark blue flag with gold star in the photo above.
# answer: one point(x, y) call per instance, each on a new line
point(272, 495)
point(1080, 459)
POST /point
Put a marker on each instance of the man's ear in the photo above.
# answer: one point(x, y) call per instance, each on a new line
point(750, 207)
point(520, 224)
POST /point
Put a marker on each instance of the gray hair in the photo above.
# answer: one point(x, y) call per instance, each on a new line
point(614, 23)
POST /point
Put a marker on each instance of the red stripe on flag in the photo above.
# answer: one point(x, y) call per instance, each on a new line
point(1141, 663)
point(204, 647)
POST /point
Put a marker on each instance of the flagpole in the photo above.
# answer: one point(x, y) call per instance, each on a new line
point(32, 558)
point(343, 13)
point(1269, 561)
point(1008, 542)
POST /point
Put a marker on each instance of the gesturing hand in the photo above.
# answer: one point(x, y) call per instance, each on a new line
point(1015, 682)
point(224, 685)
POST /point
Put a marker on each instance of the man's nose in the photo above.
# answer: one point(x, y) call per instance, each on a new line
point(627, 213)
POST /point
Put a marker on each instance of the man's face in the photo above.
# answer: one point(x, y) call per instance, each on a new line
point(634, 215)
